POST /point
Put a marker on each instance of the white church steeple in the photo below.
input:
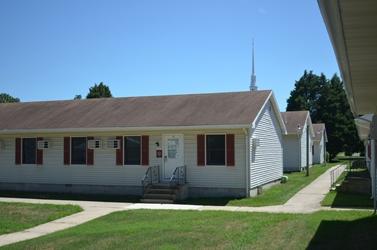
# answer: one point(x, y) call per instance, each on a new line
point(253, 80)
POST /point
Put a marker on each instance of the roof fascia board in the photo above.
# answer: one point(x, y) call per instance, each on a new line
point(277, 112)
point(332, 16)
point(119, 129)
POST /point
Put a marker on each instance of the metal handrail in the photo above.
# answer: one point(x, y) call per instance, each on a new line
point(152, 176)
point(334, 175)
point(178, 177)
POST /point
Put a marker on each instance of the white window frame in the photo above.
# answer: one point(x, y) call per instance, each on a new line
point(70, 150)
point(124, 147)
point(22, 153)
point(205, 149)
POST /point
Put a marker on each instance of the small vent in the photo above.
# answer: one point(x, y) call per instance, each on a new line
point(43, 145)
point(115, 144)
point(93, 144)
point(255, 142)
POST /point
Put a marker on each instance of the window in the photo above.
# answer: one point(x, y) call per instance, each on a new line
point(29, 150)
point(78, 150)
point(215, 149)
point(132, 150)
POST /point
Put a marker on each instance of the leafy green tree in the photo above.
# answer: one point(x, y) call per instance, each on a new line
point(99, 91)
point(327, 103)
point(5, 98)
point(306, 94)
point(77, 97)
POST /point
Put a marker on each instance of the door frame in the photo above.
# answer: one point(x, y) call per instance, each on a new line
point(164, 153)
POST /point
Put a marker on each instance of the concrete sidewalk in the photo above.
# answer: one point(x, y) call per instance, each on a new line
point(91, 210)
point(306, 200)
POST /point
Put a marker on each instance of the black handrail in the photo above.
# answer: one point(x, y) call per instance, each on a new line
point(178, 177)
point(152, 176)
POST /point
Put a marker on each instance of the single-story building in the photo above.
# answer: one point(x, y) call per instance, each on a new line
point(221, 144)
point(319, 143)
point(298, 141)
point(352, 25)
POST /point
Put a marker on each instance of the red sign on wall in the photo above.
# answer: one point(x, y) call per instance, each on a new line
point(158, 153)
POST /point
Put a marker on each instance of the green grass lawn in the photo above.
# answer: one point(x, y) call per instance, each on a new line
point(157, 229)
point(276, 195)
point(18, 216)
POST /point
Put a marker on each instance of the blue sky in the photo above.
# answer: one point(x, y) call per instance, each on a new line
point(56, 49)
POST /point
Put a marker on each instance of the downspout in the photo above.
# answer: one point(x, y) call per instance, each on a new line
point(373, 170)
point(324, 149)
point(247, 161)
point(300, 152)
point(307, 150)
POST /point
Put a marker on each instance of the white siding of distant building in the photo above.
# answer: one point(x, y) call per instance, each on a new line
point(319, 151)
point(266, 163)
point(304, 147)
point(292, 151)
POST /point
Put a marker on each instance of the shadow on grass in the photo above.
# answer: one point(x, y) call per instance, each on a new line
point(357, 234)
point(68, 196)
point(349, 200)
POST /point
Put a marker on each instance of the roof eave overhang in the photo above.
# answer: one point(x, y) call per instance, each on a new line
point(363, 126)
point(332, 17)
point(277, 112)
point(120, 129)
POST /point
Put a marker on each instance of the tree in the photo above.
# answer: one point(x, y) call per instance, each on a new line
point(327, 103)
point(5, 98)
point(99, 91)
point(77, 97)
point(306, 94)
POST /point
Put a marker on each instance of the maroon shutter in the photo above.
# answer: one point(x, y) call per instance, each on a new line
point(18, 151)
point(67, 150)
point(145, 150)
point(230, 149)
point(200, 150)
point(119, 152)
point(89, 153)
point(39, 152)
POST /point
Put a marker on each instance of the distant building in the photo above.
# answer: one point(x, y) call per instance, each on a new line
point(320, 140)
point(299, 126)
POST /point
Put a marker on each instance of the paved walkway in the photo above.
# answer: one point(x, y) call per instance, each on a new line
point(306, 200)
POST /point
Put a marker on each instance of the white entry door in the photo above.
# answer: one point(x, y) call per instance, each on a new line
point(172, 154)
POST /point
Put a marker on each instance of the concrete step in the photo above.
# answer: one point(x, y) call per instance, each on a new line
point(161, 186)
point(160, 191)
point(156, 201)
point(159, 196)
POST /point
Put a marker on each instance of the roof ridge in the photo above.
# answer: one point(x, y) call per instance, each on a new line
point(128, 97)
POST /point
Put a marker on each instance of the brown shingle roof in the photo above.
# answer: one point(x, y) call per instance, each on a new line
point(234, 108)
point(293, 119)
point(319, 129)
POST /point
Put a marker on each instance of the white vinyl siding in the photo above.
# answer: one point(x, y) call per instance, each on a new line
point(266, 163)
point(106, 172)
point(303, 147)
point(292, 151)
point(319, 151)
point(216, 176)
